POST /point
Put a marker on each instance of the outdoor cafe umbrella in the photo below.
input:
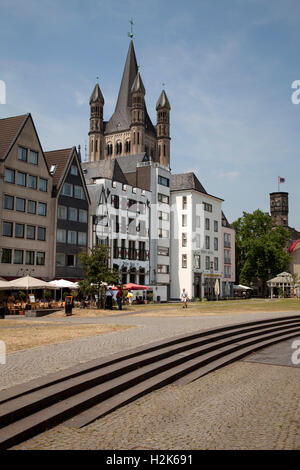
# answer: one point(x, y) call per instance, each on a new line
point(217, 288)
point(64, 284)
point(133, 286)
point(4, 285)
point(29, 282)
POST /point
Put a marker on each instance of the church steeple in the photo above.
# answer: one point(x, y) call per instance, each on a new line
point(96, 125)
point(138, 115)
point(163, 128)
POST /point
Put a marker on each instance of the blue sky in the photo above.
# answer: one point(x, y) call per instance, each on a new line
point(228, 67)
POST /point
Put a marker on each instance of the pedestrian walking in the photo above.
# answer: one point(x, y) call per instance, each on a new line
point(119, 297)
point(130, 297)
point(109, 298)
point(184, 298)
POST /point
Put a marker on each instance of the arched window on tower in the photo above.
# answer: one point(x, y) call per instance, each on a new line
point(164, 150)
point(96, 145)
point(92, 146)
point(138, 138)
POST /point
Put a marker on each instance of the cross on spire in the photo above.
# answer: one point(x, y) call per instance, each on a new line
point(131, 29)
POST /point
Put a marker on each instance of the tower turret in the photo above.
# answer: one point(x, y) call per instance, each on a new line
point(138, 115)
point(96, 125)
point(163, 129)
point(279, 208)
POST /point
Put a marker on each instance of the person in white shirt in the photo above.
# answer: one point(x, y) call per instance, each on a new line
point(184, 298)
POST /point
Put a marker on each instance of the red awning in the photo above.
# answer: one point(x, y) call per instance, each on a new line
point(291, 249)
point(135, 287)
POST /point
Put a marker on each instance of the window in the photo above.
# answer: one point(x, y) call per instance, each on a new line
point(33, 157)
point(227, 271)
point(32, 182)
point(207, 242)
point(18, 257)
point(42, 209)
point(20, 204)
point(19, 230)
point(21, 179)
point(71, 260)
point(163, 233)
point(22, 154)
point(62, 212)
point(162, 251)
point(78, 192)
point(82, 216)
point(60, 259)
point(227, 258)
point(184, 202)
point(74, 170)
point(31, 207)
point(82, 238)
point(184, 239)
point(6, 255)
point(7, 229)
point(163, 181)
point(163, 215)
point(142, 208)
point(67, 190)
point(216, 264)
point(72, 237)
point(8, 202)
point(61, 235)
point(184, 261)
point(216, 228)
point(216, 244)
point(73, 214)
point(207, 262)
point(198, 221)
point(41, 234)
point(227, 240)
point(30, 232)
point(184, 220)
point(43, 184)
point(207, 207)
point(29, 258)
point(207, 224)
point(40, 258)
point(197, 261)
point(163, 198)
point(162, 269)
point(9, 176)
point(198, 241)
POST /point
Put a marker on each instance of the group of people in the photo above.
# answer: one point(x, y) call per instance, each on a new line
point(119, 297)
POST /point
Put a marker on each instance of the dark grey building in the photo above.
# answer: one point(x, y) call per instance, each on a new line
point(72, 212)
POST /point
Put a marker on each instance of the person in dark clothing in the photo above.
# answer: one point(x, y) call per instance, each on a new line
point(119, 297)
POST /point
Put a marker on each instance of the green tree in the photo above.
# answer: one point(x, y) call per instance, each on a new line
point(97, 272)
point(260, 248)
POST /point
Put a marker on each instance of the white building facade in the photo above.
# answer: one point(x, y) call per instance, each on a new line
point(228, 258)
point(196, 251)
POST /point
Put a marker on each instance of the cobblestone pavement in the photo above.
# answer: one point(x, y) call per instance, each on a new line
point(22, 366)
point(241, 406)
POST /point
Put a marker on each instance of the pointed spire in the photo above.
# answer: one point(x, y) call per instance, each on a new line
point(163, 101)
point(96, 95)
point(138, 85)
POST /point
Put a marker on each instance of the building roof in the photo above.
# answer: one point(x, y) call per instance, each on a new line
point(9, 130)
point(109, 169)
point(121, 119)
point(225, 222)
point(188, 182)
point(96, 95)
point(185, 181)
point(163, 101)
point(128, 163)
point(59, 158)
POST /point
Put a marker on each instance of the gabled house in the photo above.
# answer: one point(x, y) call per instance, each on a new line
point(71, 209)
point(26, 203)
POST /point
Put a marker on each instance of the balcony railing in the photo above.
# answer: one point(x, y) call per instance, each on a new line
point(131, 254)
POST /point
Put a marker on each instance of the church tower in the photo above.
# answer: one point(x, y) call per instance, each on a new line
point(138, 115)
point(96, 139)
point(163, 129)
